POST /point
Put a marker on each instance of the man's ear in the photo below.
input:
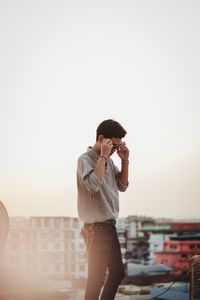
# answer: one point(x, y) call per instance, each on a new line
point(101, 138)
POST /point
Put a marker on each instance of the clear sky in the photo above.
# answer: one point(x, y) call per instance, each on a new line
point(66, 65)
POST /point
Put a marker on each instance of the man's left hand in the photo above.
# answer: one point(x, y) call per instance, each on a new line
point(123, 151)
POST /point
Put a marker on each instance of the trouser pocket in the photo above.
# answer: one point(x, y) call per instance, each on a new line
point(88, 235)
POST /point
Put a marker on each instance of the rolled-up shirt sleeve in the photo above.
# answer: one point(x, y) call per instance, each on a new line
point(121, 187)
point(87, 176)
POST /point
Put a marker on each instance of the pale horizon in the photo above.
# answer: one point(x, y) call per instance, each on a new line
point(67, 66)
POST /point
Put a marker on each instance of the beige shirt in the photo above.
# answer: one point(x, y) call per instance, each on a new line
point(98, 200)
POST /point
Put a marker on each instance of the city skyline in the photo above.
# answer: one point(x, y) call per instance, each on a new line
point(65, 67)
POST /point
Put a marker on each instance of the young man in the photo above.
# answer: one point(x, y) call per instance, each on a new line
point(98, 183)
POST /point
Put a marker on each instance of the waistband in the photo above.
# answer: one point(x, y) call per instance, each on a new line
point(109, 222)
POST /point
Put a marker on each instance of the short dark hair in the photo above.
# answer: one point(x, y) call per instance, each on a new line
point(110, 128)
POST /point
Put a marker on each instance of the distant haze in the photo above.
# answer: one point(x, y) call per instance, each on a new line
point(68, 65)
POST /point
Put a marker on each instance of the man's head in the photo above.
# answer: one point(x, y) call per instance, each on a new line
point(110, 129)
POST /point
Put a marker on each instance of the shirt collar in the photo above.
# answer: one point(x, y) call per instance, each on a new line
point(92, 153)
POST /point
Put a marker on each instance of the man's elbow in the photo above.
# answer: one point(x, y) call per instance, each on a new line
point(122, 186)
point(122, 189)
point(93, 190)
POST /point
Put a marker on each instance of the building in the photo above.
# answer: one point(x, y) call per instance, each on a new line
point(173, 243)
point(122, 227)
point(137, 239)
point(194, 278)
point(177, 253)
point(157, 233)
point(45, 247)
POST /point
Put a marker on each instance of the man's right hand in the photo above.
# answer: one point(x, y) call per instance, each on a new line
point(106, 147)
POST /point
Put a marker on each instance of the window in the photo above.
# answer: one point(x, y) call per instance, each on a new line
point(43, 235)
point(57, 222)
point(57, 268)
point(82, 268)
point(81, 246)
point(15, 235)
point(47, 222)
point(57, 257)
point(173, 246)
point(44, 268)
point(66, 222)
point(75, 223)
point(57, 246)
point(15, 247)
point(44, 246)
point(37, 223)
point(72, 246)
point(57, 235)
point(14, 259)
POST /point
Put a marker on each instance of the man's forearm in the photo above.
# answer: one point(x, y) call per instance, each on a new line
point(124, 172)
point(100, 167)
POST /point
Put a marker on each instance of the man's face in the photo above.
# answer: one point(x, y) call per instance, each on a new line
point(116, 144)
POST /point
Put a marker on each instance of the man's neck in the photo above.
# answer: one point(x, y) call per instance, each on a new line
point(96, 149)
